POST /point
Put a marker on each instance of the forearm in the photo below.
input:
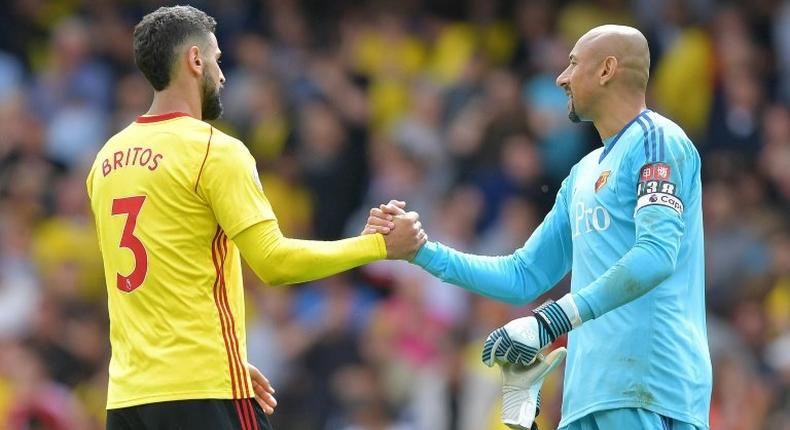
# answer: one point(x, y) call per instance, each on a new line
point(501, 278)
point(279, 260)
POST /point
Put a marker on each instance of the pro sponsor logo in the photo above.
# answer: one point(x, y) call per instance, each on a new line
point(661, 199)
point(589, 219)
point(655, 171)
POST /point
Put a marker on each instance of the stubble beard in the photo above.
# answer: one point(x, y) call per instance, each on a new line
point(211, 105)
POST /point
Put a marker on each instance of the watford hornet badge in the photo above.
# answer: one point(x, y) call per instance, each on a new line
point(602, 180)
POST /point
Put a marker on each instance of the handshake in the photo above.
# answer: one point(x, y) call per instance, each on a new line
point(403, 233)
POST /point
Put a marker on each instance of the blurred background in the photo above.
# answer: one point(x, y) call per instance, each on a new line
point(448, 105)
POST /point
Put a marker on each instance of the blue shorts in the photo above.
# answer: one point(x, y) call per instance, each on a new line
point(627, 418)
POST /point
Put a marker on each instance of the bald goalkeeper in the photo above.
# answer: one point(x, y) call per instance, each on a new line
point(627, 222)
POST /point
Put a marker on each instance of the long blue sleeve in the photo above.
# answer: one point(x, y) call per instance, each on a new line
point(517, 278)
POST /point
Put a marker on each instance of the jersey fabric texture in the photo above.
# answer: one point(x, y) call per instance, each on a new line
point(628, 222)
point(167, 193)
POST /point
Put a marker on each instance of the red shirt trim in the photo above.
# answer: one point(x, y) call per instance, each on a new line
point(144, 119)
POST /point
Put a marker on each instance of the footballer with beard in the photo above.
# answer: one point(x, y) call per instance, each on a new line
point(177, 203)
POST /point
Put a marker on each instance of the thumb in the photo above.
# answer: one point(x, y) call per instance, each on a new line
point(541, 367)
point(553, 359)
point(549, 362)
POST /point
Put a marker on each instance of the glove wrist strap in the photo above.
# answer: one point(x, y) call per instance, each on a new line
point(558, 318)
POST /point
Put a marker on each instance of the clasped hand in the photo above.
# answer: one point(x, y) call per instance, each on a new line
point(403, 233)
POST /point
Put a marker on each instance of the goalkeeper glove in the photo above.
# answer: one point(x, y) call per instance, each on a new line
point(520, 341)
point(521, 390)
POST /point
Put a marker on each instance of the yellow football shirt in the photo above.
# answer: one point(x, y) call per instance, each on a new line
point(167, 192)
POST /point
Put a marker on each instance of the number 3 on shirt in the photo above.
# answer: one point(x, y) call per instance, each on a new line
point(131, 207)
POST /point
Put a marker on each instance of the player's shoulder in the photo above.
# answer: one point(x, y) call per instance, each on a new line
point(225, 140)
point(662, 138)
point(124, 133)
point(177, 130)
point(223, 144)
point(591, 158)
point(664, 128)
point(194, 132)
point(118, 139)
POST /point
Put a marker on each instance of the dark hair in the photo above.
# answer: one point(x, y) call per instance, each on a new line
point(160, 33)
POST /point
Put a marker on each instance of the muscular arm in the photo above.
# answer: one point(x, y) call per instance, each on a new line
point(279, 260)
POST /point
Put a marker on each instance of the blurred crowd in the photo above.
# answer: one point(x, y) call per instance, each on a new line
point(448, 105)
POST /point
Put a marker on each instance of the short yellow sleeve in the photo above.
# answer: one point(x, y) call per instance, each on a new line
point(230, 184)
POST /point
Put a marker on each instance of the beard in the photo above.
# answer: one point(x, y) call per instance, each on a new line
point(572, 115)
point(211, 105)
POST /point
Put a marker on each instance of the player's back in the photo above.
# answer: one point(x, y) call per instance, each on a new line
point(173, 281)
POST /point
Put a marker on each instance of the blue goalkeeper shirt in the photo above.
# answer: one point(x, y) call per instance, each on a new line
point(627, 222)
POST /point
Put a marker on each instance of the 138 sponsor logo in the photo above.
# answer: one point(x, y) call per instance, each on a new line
point(650, 187)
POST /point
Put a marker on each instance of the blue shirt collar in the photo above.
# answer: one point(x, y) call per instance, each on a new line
point(609, 143)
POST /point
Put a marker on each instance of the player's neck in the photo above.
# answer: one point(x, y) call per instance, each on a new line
point(175, 99)
point(616, 116)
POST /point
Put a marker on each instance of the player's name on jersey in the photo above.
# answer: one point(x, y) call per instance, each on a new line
point(137, 156)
